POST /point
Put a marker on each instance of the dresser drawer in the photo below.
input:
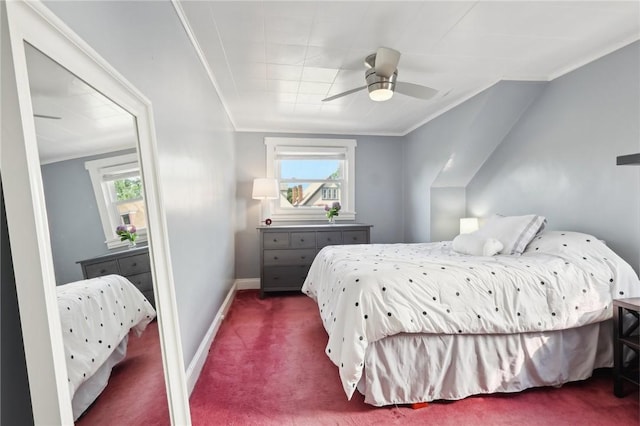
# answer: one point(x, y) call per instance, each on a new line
point(329, 238)
point(289, 257)
point(102, 268)
point(303, 240)
point(134, 264)
point(143, 282)
point(275, 240)
point(283, 277)
point(354, 237)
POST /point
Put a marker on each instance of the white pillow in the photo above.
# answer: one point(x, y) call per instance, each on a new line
point(514, 232)
point(476, 245)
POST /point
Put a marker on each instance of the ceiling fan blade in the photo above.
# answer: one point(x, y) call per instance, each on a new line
point(386, 61)
point(415, 90)
point(339, 95)
point(51, 117)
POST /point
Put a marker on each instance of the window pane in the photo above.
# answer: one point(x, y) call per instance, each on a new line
point(314, 194)
point(133, 213)
point(325, 169)
point(128, 188)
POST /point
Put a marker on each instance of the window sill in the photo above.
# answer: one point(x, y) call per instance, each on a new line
point(115, 243)
point(296, 217)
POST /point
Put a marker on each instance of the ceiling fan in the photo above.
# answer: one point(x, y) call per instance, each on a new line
point(381, 75)
point(50, 117)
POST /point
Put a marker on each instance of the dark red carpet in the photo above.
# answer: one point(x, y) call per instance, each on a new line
point(136, 392)
point(267, 366)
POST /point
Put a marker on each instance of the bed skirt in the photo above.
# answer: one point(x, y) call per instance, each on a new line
point(93, 387)
point(409, 368)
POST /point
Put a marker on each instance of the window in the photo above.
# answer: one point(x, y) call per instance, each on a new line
point(311, 174)
point(331, 193)
point(117, 185)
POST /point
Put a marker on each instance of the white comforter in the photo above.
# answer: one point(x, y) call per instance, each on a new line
point(96, 314)
point(367, 292)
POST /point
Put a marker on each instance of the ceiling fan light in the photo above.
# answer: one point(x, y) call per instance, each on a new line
point(381, 94)
point(380, 87)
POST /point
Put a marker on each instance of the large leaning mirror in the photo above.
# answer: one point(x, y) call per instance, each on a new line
point(92, 184)
point(83, 169)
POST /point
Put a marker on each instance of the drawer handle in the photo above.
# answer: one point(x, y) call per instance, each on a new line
point(302, 240)
point(275, 240)
point(328, 239)
point(275, 257)
point(134, 264)
point(355, 238)
point(276, 278)
point(303, 257)
point(102, 271)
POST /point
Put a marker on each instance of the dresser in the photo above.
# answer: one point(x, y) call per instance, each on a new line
point(287, 251)
point(133, 264)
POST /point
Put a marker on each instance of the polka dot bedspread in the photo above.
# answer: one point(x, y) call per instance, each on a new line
point(367, 292)
point(96, 314)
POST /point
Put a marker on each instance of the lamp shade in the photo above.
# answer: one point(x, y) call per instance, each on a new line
point(468, 225)
point(265, 188)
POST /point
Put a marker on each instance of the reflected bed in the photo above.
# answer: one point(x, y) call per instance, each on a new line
point(96, 317)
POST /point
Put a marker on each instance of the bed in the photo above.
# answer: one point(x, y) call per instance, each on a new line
point(412, 323)
point(97, 316)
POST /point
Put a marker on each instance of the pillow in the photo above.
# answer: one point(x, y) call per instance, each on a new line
point(514, 232)
point(475, 245)
point(563, 243)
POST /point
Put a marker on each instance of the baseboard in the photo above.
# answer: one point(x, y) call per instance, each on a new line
point(248, 284)
point(197, 363)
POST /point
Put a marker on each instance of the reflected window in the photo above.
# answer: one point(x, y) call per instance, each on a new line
point(126, 199)
point(117, 185)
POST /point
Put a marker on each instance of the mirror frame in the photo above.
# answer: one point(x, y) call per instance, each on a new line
point(33, 23)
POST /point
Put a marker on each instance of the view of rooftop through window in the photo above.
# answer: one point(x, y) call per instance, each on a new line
point(310, 182)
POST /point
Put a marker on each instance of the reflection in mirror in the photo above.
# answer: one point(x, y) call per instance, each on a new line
point(92, 184)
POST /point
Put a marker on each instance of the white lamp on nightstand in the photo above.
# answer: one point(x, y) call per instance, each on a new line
point(264, 189)
point(468, 225)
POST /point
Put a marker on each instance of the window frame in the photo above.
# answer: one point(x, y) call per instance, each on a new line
point(344, 147)
point(109, 218)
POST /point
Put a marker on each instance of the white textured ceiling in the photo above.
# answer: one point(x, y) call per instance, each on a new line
point(273, 62)
point(86, 122)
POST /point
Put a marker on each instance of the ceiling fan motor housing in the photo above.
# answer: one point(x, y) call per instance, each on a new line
point(379, 82)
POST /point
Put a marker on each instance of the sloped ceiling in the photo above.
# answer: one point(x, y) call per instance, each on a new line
point(499, 109)
point(274, 62)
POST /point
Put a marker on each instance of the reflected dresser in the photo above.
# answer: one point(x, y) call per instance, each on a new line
point(287, 251)
point(133, 264)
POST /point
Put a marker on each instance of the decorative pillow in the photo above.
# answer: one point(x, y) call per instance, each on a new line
point(492, 247)
point(514, 232)
point(475, 245)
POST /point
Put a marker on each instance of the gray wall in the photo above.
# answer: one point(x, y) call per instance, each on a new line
point(448, 205)
point(448, 151)
point(379, 194)
point(427, 150)
point(146, 42)
point(15, 398)
point(74, 221)
point(559, 161)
